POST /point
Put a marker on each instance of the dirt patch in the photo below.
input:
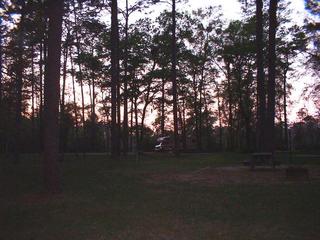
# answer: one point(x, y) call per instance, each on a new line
point(231, 175)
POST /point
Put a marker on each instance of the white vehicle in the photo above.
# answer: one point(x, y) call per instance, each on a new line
point(164, 144)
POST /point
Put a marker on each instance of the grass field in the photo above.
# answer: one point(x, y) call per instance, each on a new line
point(156, 196)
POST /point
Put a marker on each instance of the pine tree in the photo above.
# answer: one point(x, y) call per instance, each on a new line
point(51, 98)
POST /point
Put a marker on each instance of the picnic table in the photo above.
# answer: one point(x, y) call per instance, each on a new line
point(261, 158)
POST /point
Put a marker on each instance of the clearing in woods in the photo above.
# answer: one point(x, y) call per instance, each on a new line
point(156, 196)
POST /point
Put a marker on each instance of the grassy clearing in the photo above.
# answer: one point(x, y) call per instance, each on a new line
point(105, 199)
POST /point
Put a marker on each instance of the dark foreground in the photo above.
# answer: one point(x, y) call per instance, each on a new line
point(198, 196)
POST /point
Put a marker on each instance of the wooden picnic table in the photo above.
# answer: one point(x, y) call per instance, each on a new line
point(261, 158)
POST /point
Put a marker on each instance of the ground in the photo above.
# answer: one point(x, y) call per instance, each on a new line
point(235, 175)
point(156, 196)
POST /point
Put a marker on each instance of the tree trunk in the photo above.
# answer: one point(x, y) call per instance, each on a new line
point(19, 86)
point(32, 100)
point(261, 94)
point(51, 97)
point(74, 101)
point(131, 125)
point(183, 123)
point(93, 115)
point(230, 117)
point(207, 127)
point(64, 77)
point(41, 96)
point(174, 80)
point(220, 119)
point(125, 85)
point(115, 148)
point(200, 117)
point(119, 111)
point(272, 75)
point(201, 96)
point(63, 136)
point(79, 65)
point(195, 108)
point(286, 140)
point(248, 113)
point(136, 124)
point(162, 107)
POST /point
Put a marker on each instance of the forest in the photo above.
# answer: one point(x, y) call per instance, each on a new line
point(154, 119)
point(101, 79)
point(191, 75)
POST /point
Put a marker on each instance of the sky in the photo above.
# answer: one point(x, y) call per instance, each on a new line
point(231, 8)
